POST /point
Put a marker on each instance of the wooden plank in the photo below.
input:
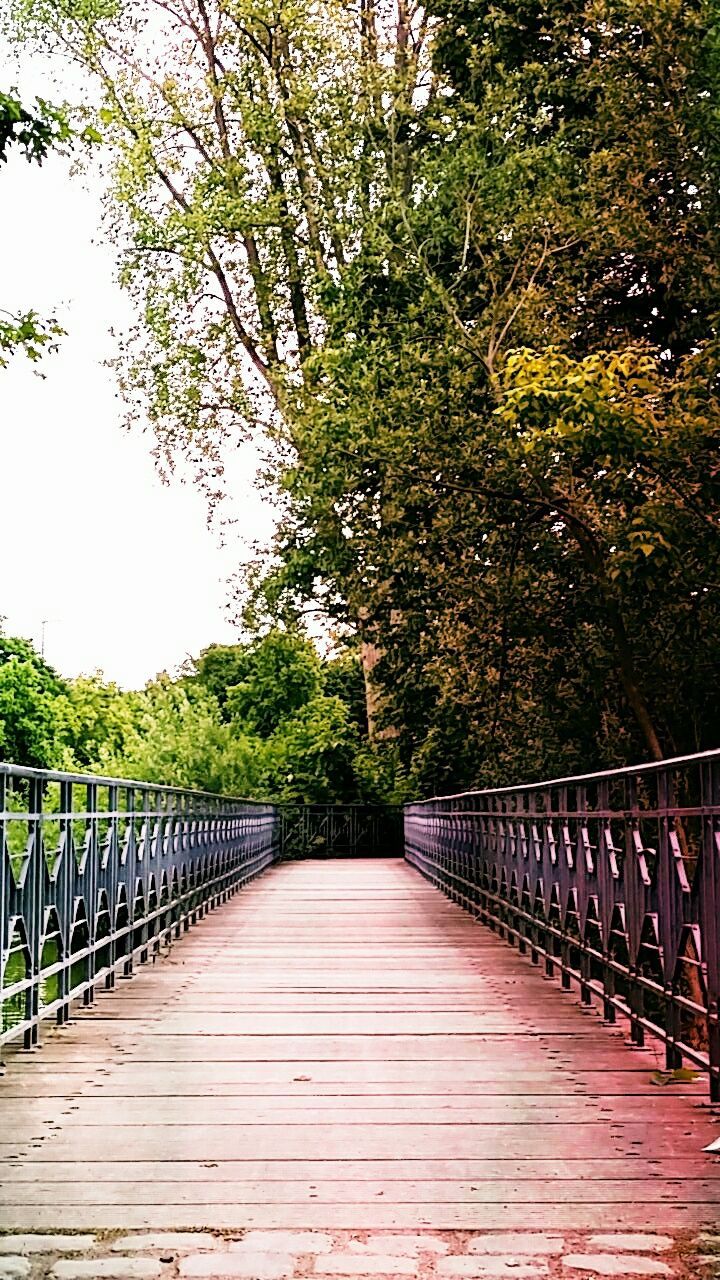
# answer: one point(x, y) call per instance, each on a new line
point(82, 1172)
point(201, 1111)
point(298, 1192)
point(477, 1076)
point(487, 1049)
point(363, 1215)
point(372, 1142)
point(228, 1082)
point(233, 1024)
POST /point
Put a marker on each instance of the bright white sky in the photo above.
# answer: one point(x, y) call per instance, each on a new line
point(122, 568)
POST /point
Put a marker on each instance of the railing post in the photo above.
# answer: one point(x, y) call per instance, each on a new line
point(90, 871)
point(5, 874)
point(131, 880)
point(112, 855)
point(34, 917)
point(65, 880)
point(668, 916)
point(636, 891)
point(710, 883)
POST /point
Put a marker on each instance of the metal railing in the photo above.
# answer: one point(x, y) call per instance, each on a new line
point(612, 878)
point(341, 831)
point(96, 873)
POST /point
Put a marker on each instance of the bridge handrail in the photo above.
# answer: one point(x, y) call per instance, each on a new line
point(97, 873)
point(7, 769)
point(652, 766)
point(613, 878)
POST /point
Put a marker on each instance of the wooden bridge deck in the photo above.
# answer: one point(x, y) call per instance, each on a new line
point(340, 1047)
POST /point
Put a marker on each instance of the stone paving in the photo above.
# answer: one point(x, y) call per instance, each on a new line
point(290, 1255)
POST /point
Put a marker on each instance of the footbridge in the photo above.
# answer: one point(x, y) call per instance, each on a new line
point(480, 1038)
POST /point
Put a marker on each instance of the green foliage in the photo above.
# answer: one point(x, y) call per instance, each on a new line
point(218, 669)
point(29, 722)
point(281, 675)
point(467, 267)
point(34, 133)
point(506, 467)
point(311, 757)
point(301, 717)
point(342, 677)
point(97, 719)
point(251, 143)
point(176, 736)
point(261, 683)
point(276, 732)
point(28, 333)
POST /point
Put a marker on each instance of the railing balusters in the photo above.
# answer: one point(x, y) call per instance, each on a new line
point(613, 878)
point(180, 854)
point(341, 830)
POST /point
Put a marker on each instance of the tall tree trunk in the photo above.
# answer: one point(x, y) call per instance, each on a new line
point(370, 656)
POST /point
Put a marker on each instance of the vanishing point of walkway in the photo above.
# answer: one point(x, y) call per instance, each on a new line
point(341, 1050)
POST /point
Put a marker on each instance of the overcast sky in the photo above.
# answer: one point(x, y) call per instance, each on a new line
point(122, 569)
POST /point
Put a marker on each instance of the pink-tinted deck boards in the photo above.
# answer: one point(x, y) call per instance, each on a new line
point(341, 1047)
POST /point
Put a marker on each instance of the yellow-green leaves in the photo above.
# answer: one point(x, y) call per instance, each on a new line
point(606, 402)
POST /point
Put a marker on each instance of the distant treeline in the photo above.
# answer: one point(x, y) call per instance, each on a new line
point(269, 719)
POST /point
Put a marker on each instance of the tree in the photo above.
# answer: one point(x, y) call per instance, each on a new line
point(252, 144)
point(34, 132)
point(178, 738)
point(218, 668)
point(281, 675)
point(263, 681)
point(507, 455)
point(342, 677)
point(97, 719)
point(311, 756)
point(29, 722)
point(251, 141)
point(304, 715)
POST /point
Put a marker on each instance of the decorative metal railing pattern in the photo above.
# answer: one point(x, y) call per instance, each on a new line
point(341, 830)
point(613, 878)
point(95, 873)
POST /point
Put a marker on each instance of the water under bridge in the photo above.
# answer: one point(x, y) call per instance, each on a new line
point(249, 1041)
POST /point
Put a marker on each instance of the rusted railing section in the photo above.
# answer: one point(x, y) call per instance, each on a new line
point(613, 879)
point(97, 873)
